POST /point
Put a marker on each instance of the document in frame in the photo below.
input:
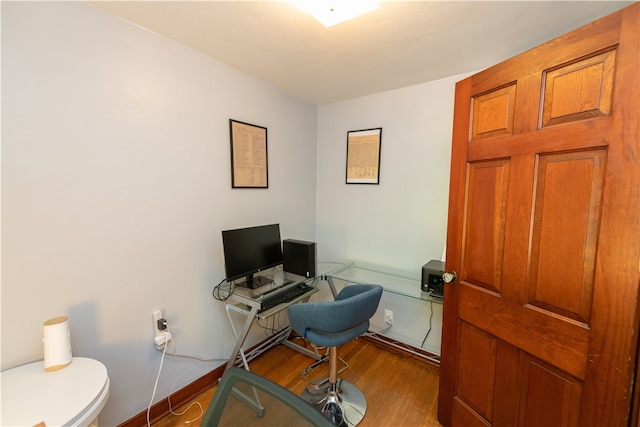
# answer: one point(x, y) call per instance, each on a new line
point(248, 155)
point(363, 156)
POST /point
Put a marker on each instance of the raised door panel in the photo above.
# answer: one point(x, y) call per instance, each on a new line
point(548, 397)
point(487, 191)
point(566, 216)
point(476, 371)
point(493, 112)
point(578, 90)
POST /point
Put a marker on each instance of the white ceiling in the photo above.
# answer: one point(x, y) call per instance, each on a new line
point(401, 44)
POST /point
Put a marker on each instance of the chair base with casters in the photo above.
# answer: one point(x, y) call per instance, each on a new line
point(331, 324)
point(345, 405)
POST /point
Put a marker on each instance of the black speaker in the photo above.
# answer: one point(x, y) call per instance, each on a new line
point(299, 257)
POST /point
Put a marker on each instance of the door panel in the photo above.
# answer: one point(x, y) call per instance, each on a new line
point(549, 397)
point(542, 327)
point(484, 244)
point(566, 217)
point(578, 90)
point(476, 375)
point(493, 112)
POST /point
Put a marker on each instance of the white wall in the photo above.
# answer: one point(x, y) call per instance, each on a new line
point(402, 222)
point(116, 185)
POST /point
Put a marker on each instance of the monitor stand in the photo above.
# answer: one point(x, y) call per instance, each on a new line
point(254, 282)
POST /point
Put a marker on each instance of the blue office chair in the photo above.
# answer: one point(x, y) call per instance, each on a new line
point(331, 324)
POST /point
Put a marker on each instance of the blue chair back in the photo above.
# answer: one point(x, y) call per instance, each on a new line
point(333, 323)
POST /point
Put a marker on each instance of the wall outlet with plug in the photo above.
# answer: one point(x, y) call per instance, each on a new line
point(161, 334)
point(388, 317)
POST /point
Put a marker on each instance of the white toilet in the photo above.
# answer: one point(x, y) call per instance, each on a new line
point(72, 396)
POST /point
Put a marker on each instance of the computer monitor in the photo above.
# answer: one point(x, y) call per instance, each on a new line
point(250, 250)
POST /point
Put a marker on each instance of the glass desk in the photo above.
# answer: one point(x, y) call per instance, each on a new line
point(394, 281)
point(247, 302)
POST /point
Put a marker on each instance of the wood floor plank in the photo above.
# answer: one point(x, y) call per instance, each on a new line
point(400, 390)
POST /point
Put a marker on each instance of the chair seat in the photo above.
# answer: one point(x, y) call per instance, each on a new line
point(335, 339)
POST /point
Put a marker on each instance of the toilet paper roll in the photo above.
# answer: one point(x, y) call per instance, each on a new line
point(57, 343)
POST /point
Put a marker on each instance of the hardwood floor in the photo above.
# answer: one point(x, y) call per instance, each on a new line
point(401, 390)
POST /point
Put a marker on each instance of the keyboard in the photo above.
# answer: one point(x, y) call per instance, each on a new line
point(285, 296)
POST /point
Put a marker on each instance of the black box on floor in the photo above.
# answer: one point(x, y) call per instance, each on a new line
point(299, 257)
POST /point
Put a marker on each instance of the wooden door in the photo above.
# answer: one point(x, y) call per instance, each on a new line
point(541, 327)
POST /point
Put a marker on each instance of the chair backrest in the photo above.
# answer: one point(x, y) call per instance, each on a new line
point(257, 401)
point(348, 315)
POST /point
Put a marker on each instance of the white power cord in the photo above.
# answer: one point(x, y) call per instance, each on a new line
point(155, 387)
point(169, 339)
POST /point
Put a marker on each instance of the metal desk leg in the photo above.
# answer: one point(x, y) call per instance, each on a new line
point(240, 337)
point(315, 354)
point(332, 285)
point(281, 337)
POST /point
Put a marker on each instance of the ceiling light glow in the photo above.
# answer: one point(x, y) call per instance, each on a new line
point(332, 12)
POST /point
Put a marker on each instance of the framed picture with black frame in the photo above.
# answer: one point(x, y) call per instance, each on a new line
point(249, 166)
point(363, 156)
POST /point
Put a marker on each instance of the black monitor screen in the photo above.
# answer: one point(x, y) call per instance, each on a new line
point(249, 250)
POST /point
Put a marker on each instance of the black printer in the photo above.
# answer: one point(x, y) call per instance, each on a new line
point(432, 278)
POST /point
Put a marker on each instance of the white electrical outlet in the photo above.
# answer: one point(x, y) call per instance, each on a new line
point(388, 317)
point(155, 316)
point(161, 336)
